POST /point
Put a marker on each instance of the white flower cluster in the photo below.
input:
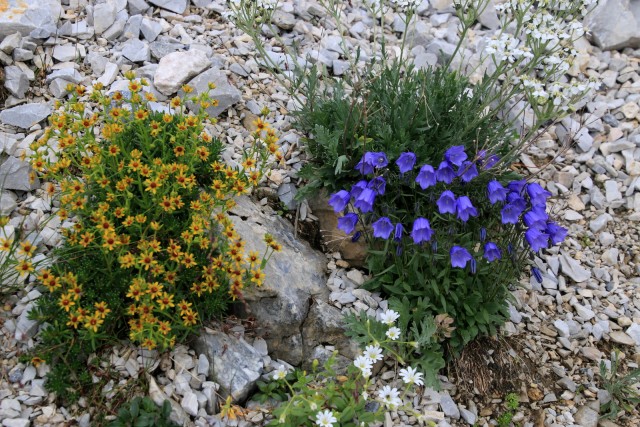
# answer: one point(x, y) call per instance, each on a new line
point(507, 48)
point(325, 418)
point(280, 373)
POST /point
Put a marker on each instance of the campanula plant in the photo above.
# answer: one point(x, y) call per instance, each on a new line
point(447, 239)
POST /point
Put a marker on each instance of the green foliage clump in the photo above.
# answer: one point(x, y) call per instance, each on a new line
point(624, 390)
point(396, 109)
point(143, 412)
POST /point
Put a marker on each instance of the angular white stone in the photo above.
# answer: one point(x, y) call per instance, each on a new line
point(176, 68)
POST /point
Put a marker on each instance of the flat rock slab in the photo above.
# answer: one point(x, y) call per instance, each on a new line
point(24, 16)
point(233, 363)
point(26, 115)
point(176, 6)
point(225, 93)
point(176, 68)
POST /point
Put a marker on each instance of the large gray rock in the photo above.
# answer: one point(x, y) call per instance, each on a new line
point(16, 81)
point(225, 93)
point(25, 16)
point(26, 328)
point(573, 269)
point(136, 50)
point(325, 324)
point(294, 278)
point(14, 175)
point(26, 115)
point(104, 15)
point(176, 6)
point(233, 363)
point(615, 24)
point(177, 68)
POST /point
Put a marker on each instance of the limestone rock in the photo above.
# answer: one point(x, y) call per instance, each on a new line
point(25, 16)
point(176, 6)
point(573, 269)
point(104, 15)
point(234, 363)
point(294, 277)
point(26, 115)
point(136, 50)
point(225, 93)
point(14, 175)
point(614, 24)
point(176, 68)
point(16, 81)
point(325, 324)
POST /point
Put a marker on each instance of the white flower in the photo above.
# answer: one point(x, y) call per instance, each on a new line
point(389, 317)
point(373, 352)
point(411, 375)
point(280, 373)
point(325, 418)
point(363, 363)
point(390, 396)
point(365, 395)
point(313, 406)
point(393, 333)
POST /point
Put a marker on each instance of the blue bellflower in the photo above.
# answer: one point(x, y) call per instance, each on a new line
point(378, 184)
point(491, 161)
point(347, 223)
point(459, 256)
point(406, 161)
point(357, 188)
point(491, 252)
point(365, 200)
point(399, 231)
point(496, 192)
point(339, 200)
point(537, 239)
point(511, 213)
point(455, 155)
point(537, 195)
point(536, 217)
point(445, 173)
point(426, 177)
point(556, 233)
point(467, 171)
point(382, 228)
point(464, 208)
point(377, 159)
point(447, 202)
point(421, 231)
point(364, 167)
point(517, 186)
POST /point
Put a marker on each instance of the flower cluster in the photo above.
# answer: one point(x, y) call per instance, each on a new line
point(138, 189)
point(519, 203)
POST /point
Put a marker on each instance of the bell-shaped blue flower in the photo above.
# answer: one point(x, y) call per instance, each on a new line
point(447, 202)
point(421, 231)
point(491, 252)
point(406, 161)
point(537, 195)
point(465, 209)
point(365, 200)
point(459, 256)
point(339, 200)
point(426, 177)
point(556, 233)
point(537, 239)
point(347, 223)
point(357, 188)
point(399, 231)
point(378, 184)
point(511, 213)
point(382, 228)
point(445, 173)
point(455, 155)
point(496, 192)
point(536, 217)
point(517, 186)
point(467, 171)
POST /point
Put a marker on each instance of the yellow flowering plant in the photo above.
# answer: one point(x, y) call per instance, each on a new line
point(149, 251)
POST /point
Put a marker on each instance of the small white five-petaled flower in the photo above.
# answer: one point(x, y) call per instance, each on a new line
point(393, 333)
point(389, 317)
point(280, 373)
point(411, 375)
point(373, 352)
point(325, 418)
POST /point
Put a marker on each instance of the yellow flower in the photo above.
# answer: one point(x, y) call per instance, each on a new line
point(154, 290)
point(93, 322)
point(155, 225)
point(135, 291)
point(152, 185)
point(189, 318)
point(187, 89)
point(101, 309)
point(146, 260)
point(184, 307)
point(25, 267)
point(127, 260)
point(165, 301)
point(26, 248)
point(164, 328)
point(66, 302)
point(36, 361)
point(5, 244)
point(110, 241)
point(141, 219)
